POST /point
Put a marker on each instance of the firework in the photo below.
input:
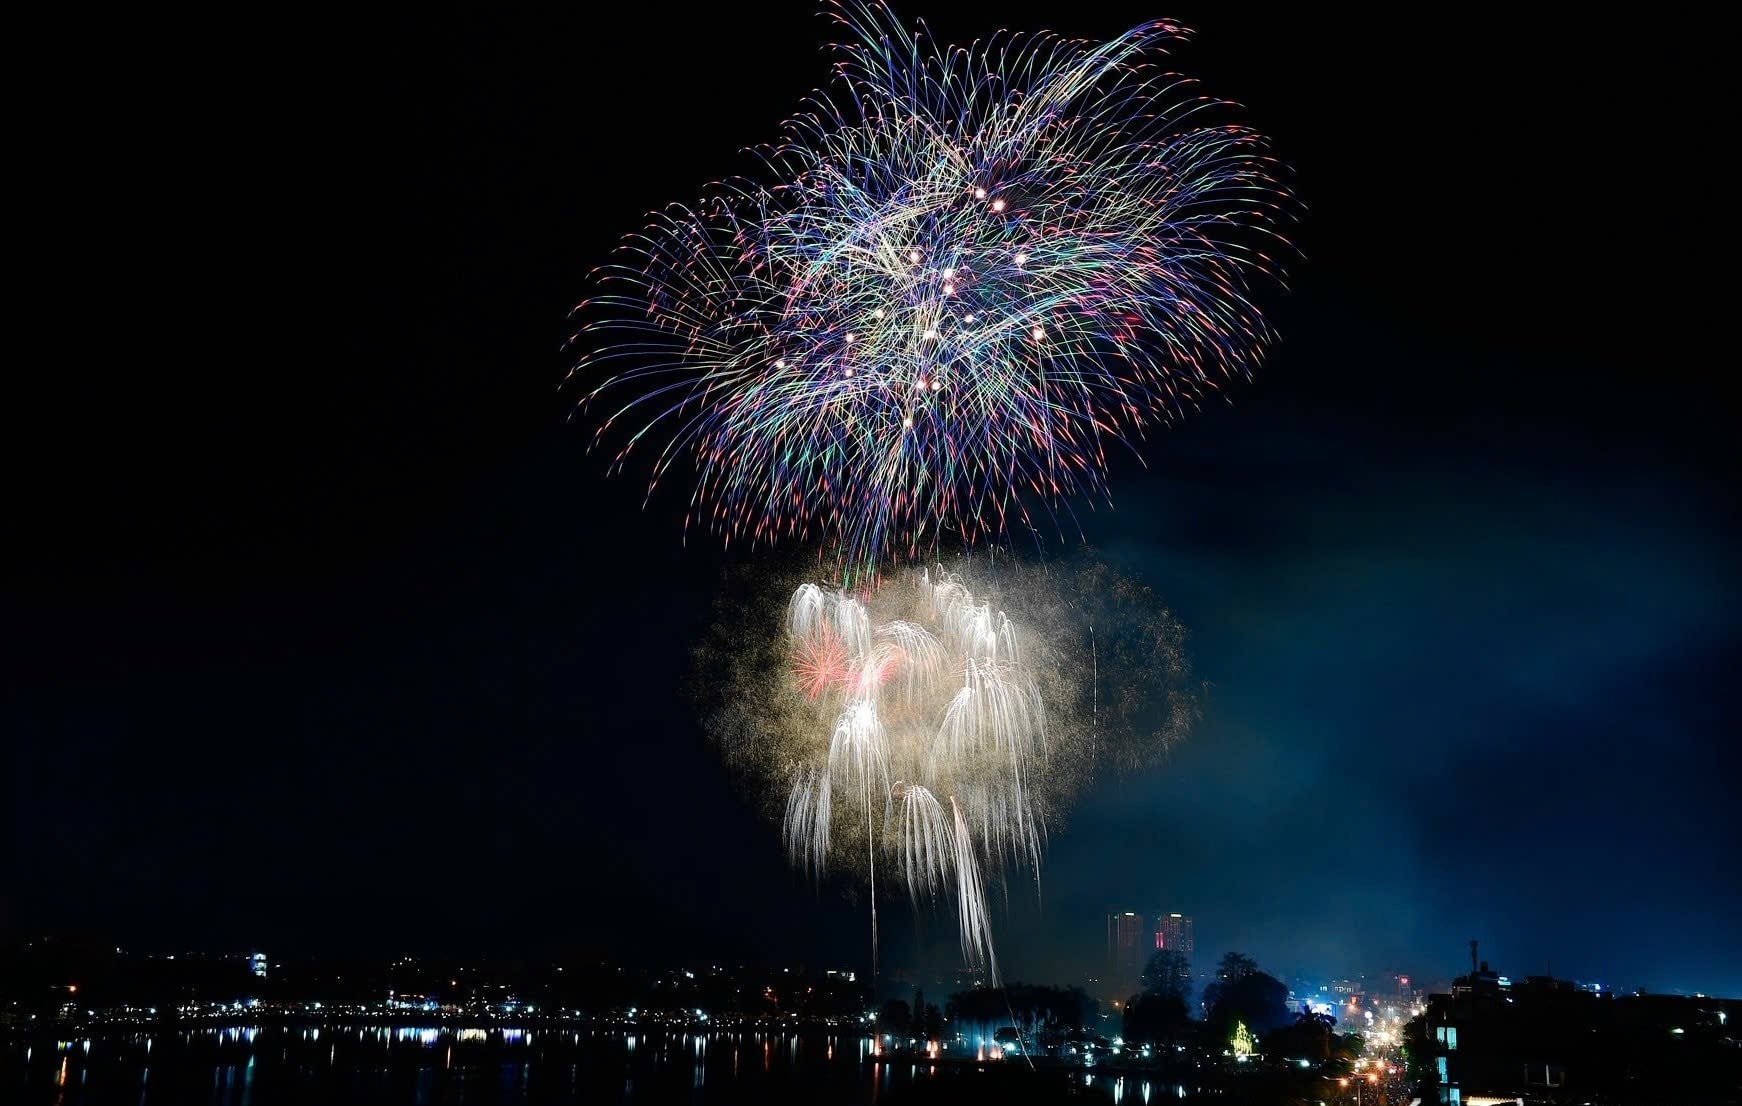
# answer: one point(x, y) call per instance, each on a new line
point(959, 280)
point(926, 734)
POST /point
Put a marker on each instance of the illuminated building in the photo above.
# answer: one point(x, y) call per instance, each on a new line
point(1174, 931)
point(1132, 939)
point(1545, 1040)
point(257, 964)
point(1128, 948)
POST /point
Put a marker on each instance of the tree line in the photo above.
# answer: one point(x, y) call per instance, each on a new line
point(1240, 994)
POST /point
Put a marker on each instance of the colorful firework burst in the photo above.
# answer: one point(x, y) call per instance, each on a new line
point(925, 731)
point(819, 662)
point(964, 276)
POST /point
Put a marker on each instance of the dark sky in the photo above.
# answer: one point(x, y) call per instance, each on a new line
point(327, 635)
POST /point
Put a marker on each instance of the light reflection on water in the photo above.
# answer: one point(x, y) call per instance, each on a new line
point(248, 1065)
point(264, 1066)
point(1136, 1089)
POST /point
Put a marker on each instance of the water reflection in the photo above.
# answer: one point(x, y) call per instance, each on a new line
point(1134, 1088)
point(242, 1065)
point(435, 1064)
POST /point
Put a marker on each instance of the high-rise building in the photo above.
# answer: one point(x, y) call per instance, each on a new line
point(1174, 931)
point(1128, 949)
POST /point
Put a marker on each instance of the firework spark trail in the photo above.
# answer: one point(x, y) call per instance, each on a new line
point(962, 277)
point(952, 725)
point(920, 713)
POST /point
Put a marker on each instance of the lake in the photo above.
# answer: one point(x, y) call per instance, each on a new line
point(448, 1066)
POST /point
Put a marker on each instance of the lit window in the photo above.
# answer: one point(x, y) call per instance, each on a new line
point(1451, 1037)
point(1442, 1069)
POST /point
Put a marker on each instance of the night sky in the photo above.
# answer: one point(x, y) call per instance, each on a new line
point(327, 634)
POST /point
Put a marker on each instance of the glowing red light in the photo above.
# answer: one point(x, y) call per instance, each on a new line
point(819, 662)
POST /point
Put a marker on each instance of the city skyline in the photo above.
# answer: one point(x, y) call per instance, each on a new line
point(1134, 937)
point(387, 980)
point(104, 1018)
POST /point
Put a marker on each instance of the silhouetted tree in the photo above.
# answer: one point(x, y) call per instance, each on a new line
point(1242, 993)
point(1168, 974)
point(1418, 1058)
point(1045, 1015)
point(930, 1024)
point(895, 1018)
point(1234, 967)
point(1151, 1018)
point(1346, 1049)
point(1309, 1038)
